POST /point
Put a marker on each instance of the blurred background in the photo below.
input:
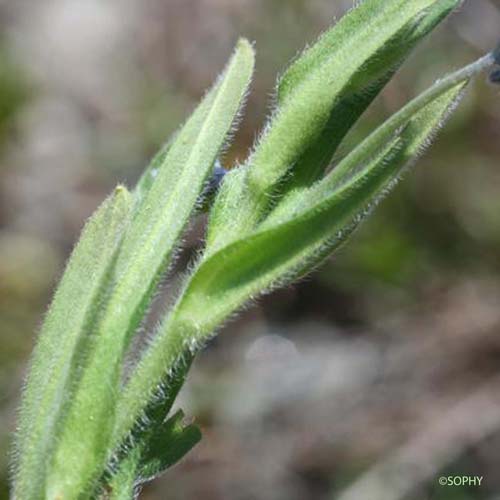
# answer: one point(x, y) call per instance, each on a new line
point(371, 378)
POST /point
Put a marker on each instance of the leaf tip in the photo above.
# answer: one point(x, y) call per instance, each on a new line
point(121, 193)
point(244, 43)
point(121, 189)
point(245, 47)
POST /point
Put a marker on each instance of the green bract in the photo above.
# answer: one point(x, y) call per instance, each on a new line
point(87, 432)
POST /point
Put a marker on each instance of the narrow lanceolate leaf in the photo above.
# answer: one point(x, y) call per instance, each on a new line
point(290, 241)
point(163, 210)
point(179, 172)
point(357, 95)
point(295, 201)
point(320, 97)
point(63, 342)
point(375, 28)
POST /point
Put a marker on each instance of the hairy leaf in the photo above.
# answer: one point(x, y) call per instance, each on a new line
point(365, 85)
point(147, 247)
point(290, 244)
point(320, 97)
point(63, 341)
point(87, 430)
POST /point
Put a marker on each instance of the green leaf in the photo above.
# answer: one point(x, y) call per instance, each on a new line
point(300, 119)
point(167, 445)
point(63, 342)
point(157, 225)
point(168, 202)
point(142, 436)
point(337, 39)
point(84, 433)
point(162, 444)
point(291, 243)
point(319, 98)
point(285, 245)
point(365, 85)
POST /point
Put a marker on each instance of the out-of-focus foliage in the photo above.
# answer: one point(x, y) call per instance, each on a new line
point(13, 91)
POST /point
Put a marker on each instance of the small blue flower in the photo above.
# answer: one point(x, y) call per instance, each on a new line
point(217, 175)
point(496, 54)
point(495, 76)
